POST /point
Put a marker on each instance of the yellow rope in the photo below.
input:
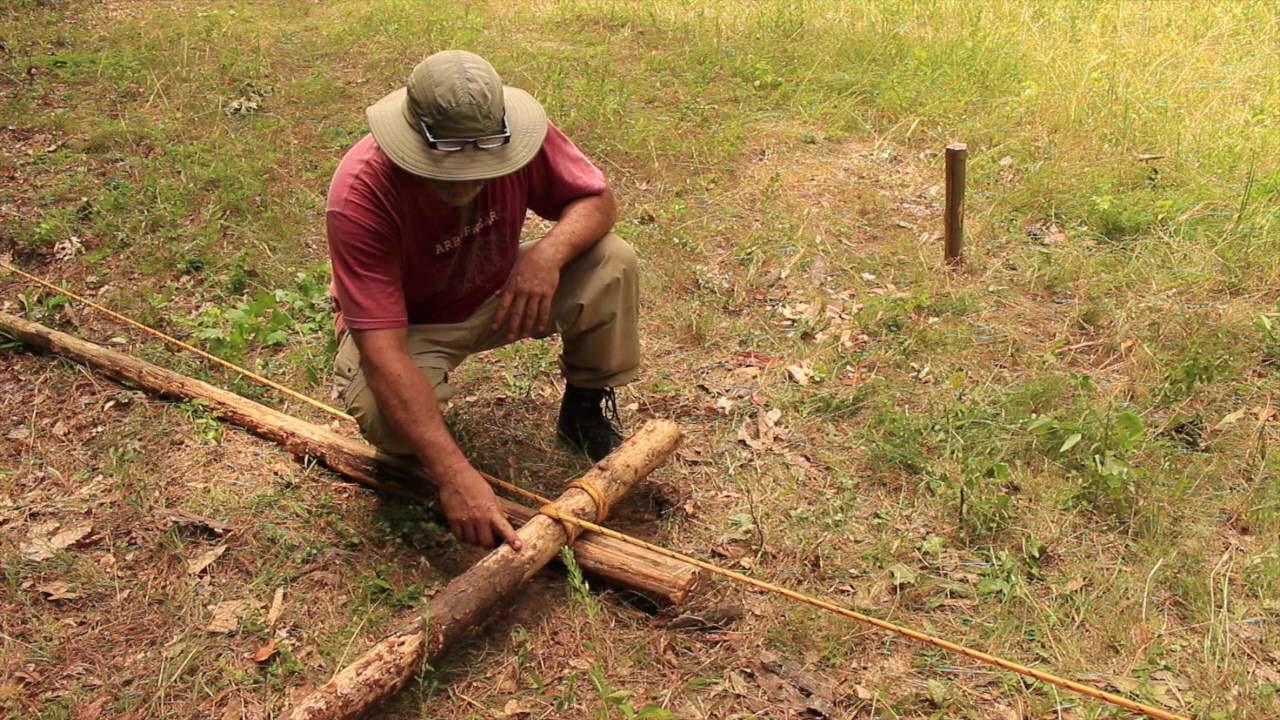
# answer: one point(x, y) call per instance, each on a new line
point(597, 496)
point(978, 655)
point(548, 508)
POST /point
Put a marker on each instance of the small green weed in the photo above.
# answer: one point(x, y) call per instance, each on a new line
point(1098, 449)
point(43, 307)
point(1269, 325)
point(207, 426)
point(619, 701)
point(415, 525)
point(579, 591)
point(269, 319)
point(376, 586)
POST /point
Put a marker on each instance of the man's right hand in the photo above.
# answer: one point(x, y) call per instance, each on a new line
point(406, 397)
point(472, 509)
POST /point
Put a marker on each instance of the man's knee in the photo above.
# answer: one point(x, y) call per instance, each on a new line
point(375, 426)
point(613, 253)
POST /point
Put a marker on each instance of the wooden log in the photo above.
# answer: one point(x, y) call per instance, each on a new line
point(650, 574)
point(468, 598)
point(625, 566)
point(617, 562)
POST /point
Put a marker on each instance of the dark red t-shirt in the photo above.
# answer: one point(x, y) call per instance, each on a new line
point(402, 256)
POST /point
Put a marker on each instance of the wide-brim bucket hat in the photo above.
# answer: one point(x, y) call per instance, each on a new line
point(457, 95)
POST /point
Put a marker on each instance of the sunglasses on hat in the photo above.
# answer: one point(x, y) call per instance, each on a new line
point(484, 142)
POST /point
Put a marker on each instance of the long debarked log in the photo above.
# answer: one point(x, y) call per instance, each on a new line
point(622, 565)
point(460, 607)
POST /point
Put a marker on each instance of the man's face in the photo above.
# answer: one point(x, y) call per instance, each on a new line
point(458, 193)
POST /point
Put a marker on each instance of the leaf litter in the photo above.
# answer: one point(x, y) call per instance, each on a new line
point(787, 685)
point(762, 432)
point(226, 615)
point(58, 590)
point(198, 564)
point(46, 539)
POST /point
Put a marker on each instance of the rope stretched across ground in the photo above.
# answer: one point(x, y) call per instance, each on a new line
point(547, 508)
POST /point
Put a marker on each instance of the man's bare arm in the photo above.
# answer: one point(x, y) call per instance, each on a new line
point(581, 225)
point(525, 304)
point(409, 403)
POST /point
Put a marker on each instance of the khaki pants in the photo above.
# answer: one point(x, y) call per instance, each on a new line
point(595, 310)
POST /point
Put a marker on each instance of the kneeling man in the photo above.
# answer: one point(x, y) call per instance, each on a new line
point(424, 217)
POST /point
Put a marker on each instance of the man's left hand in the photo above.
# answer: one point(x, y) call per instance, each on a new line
point(525, 303)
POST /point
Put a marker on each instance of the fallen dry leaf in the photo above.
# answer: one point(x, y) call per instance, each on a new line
point(93, 710)
point(801, 374)
point(58, 590)
point(184, 518)
point(44, 543)
point(19, 434)
point(69, 536)
point(513, 709)
point(787, 685)
point(265, 652)
point(277, 604)
point(712, 619)
point(197, 565)
point(765, 427)
point(226, 617)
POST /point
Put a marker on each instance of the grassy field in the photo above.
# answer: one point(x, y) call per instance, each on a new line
point(1061, 453)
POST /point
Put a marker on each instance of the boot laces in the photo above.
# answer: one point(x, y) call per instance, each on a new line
point(610, 408)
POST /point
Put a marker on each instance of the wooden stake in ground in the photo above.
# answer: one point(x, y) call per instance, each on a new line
point(953, 223)
point(616, 562)
point(463, 604)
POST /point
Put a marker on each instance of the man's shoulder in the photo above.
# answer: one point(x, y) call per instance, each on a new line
point(365, 169)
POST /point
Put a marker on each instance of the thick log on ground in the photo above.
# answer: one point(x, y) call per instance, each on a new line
point(468, 598)
point(622, 565)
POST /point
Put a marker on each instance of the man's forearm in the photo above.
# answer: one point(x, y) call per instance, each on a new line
point(409, 403)
point(581, 225)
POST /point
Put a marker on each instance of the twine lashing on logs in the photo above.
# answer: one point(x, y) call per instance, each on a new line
point(548, 508)
point(597, 496)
